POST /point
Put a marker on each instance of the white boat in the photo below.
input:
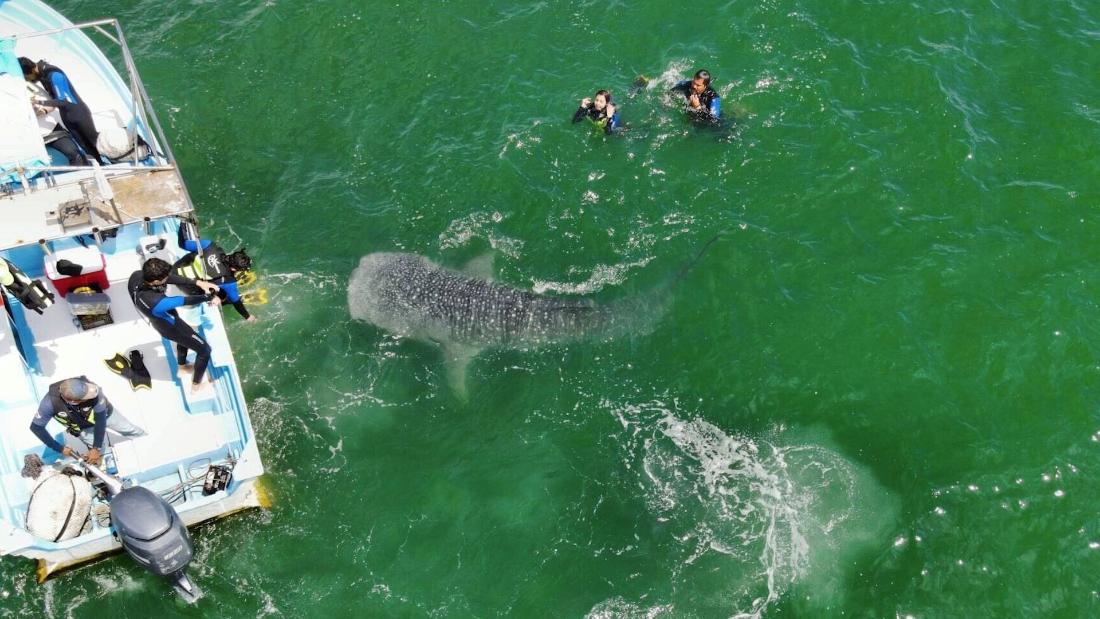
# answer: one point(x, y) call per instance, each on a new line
point(107, 218)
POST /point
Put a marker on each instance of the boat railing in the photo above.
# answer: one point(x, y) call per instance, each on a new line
point(141, 109)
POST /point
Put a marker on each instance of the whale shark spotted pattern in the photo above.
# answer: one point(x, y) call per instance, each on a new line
point(411, 296)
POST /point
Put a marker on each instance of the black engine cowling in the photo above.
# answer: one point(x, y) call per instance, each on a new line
point(151, 531)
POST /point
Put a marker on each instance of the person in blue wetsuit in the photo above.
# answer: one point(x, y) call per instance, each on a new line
point(216, 266)
point(75, 114)
point(148, 288)
point(600, 111)
point(79, 405)
point(703, 101)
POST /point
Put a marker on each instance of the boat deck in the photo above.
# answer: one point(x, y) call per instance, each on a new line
point(50, 211)
point(181, 429)
point(132, 194)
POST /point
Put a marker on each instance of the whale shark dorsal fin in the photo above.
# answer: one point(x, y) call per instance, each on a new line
point(457, 359)
point(480, 267)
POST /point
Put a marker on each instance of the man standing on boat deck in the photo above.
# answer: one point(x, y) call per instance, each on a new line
point(74, 112)
point(148, 289)
point(79, 405)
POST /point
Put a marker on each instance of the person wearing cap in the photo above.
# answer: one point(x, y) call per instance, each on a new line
point(703, 101)
point(79, 405)
point(148, 289)
point(599, 110)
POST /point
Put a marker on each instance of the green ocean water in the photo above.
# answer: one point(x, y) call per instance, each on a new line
point(875, 395)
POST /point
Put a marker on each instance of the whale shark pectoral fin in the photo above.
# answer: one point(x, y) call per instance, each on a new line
point(457, 358)
point(480, 267)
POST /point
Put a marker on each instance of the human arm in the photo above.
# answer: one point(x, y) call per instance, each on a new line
point(233, 295)
point(102, 410)
point(45, 104)
point(47, 440)
point(38, 425)
point(612, 119)
point(178, 280)
point(167, 304)
point(189, 245)
point(582, 110)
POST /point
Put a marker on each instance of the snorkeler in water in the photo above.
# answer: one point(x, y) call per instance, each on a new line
point(703, 102)
point(600, 110)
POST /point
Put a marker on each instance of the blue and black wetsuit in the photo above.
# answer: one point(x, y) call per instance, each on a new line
point(598, 117)
point(74, 112)
point(160, 308)
point(213, 269)
point(710, 103)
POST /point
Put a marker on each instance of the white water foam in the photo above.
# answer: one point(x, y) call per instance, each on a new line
point(479, 224)
point(768, 515)
point(676, 72)
point(602, 275)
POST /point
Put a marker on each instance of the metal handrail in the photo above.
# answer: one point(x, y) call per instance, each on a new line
point(141, 108)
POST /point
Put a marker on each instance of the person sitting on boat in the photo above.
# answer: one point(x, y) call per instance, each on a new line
point(53, 132)
point(74, 112)
point(599, 110)
point(703, 101)
point(148, 289)
point(79, 405)
point(215, 266)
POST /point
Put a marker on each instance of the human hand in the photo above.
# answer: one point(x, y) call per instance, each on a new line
point(207, 287)
point(93, 456)
point(610, 110)
point(694, 101)
point(585, 102)
point(216, 301)
point(67, 451)
point(252, 320)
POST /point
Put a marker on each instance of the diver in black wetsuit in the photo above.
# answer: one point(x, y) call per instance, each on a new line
point(600, 111)
point(147, 288)
point(216, 266)
point(74, 112)
point(703, 102)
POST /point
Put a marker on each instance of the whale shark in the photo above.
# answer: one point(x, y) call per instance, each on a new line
point(466, 311)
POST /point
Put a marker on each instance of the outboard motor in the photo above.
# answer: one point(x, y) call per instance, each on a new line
point(151, 532)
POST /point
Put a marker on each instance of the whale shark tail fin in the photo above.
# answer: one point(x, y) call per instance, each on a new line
point(690, 264)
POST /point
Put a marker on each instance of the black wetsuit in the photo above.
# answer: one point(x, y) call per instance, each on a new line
point(74, 112)
point(599, 117)
point(160, 309)
point(62, 142)
point(214, 270)
point(709, 101)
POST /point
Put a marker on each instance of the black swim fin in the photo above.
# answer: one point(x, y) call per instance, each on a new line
point(138, 374)
point(117, 364)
